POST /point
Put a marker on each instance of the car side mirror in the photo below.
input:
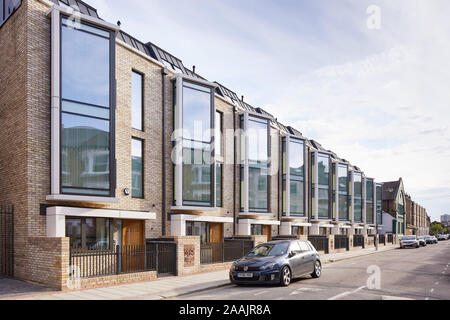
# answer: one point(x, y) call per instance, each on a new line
point(292, 254)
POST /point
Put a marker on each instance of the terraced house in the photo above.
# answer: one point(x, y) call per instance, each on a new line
point(123, 164)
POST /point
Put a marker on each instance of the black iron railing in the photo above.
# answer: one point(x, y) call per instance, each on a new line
point(341, 242)
point(6, 240)
point(390, 238)
point(382, 239)
point(320, 243)
point(358, 241)
point(87, 263)
point(227, 251)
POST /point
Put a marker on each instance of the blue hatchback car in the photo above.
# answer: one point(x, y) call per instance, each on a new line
point(277, 262)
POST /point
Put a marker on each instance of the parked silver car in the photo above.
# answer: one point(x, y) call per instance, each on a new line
point(409, 241)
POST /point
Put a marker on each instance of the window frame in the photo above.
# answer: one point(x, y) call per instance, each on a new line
point(259, 119)
point(142, 75)
point(220, 138)
point(143, 167)
point(191, 84)
point(361, 198)
point(341, 193)
point(109, 221)
point(112, 111)
point(219, 164)
point(286, 176)
point(329, 186)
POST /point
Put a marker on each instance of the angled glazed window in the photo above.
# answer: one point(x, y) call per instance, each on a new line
point(218, 136)
point(379, 204)
point(87, 109)
point(343, 192)
point(323, 167)
point(197, 142)
point(358, 205)
point(296, 176)
point(258, 158)
point(369, 201)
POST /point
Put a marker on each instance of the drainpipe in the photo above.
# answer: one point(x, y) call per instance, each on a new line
point(164, 73)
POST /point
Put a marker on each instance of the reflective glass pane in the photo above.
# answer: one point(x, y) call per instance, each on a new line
point(358, 184)
point(73, 232)
point(137, 168)
point(219, 185)
point(218, 137)
point(258, 189)
point(85, 67)
point(84, 153)
point(83, 109)
point(297, 201)
point(358, 210)
point(196, 115)
point(343, 207)
point(369, 190)
point(258, 142)
point(296, 158)
point(97, 233)
point(342, 176)
point(136, 101)
point(324, 202)
point(369, 212)
point(323, 163)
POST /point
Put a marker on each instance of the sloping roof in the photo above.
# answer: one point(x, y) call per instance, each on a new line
point(390, 189)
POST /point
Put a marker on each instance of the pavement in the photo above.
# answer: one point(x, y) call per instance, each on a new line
point(163, 288)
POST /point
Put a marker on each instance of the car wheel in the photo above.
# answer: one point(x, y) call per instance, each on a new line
point(317, 270)
point(286, 276)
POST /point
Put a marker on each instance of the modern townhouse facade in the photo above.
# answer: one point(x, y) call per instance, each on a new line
point(114, 145)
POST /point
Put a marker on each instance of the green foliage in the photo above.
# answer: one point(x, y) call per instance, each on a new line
point(436, 228)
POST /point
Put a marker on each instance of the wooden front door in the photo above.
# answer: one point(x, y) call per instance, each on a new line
point(216, 232)
point(133, 250)
point(268, 232)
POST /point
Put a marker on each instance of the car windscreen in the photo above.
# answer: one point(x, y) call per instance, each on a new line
point(409, 238)
point(269, 250)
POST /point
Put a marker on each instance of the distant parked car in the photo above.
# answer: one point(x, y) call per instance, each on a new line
point(409, 241)
point(441, 237)
point(422, 241)
point(431, 240)
point(277, 262)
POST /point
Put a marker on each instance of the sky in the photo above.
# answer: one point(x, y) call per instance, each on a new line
point(369, 80)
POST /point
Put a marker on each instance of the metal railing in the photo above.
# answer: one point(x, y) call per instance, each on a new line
point(87, 263)
point(358, 241)
point(320, 243)
point(390, 238)
point(227, 251)
point(6, 240)
point(341, 242)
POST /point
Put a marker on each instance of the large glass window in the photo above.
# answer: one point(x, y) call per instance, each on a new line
point(296, 172)
point(323, 167)
point(369, 201)
point(137, 168)
point(258, 145)
point(343, 192)
point(89, 233)
point(137, 100)
point(218, 136)
point(358, 196)
point(201, 229)
point(219, 175)
point(197, 145)
point(86, 109)
point(257, 230)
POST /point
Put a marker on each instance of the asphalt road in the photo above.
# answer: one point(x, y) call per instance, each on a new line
point(419, 274)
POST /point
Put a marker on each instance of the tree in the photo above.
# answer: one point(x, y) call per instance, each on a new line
point(436, 228)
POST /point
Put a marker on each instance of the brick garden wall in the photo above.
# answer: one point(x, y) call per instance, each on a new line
point(48, 260)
